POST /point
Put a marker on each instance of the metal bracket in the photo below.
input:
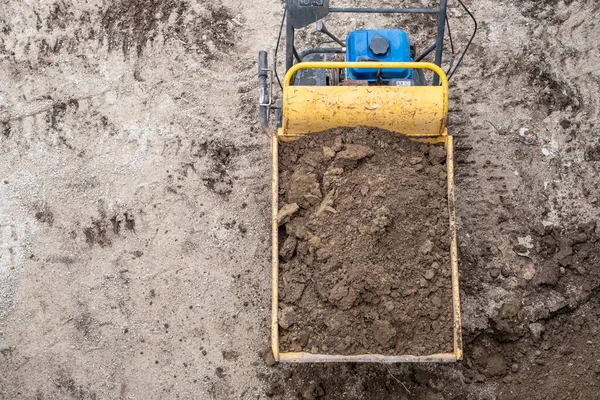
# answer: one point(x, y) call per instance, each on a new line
point(305, 12)
point(266, 98)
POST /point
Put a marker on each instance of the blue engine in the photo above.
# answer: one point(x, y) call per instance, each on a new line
point(378, 45)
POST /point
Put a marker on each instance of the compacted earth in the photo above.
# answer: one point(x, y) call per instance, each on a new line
point(135, 205)
point(364, 254)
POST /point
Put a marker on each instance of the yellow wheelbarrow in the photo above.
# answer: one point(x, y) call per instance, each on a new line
point(373, 79)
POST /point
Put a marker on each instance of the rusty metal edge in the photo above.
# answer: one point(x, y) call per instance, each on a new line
point(302, 357)
point(458, 350)
point(275, 249)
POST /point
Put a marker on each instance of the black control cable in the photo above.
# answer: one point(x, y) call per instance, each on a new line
point(468, 43)
point(452, 55)
point(277, 47)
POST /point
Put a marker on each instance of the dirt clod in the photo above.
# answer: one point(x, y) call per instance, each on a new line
point(495, 365)
point(354, 152)
point(314, 391)
point(267, 356)
point(383, 332)
point(286, 212)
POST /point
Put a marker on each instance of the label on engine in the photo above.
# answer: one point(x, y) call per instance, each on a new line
point(403, 82)
point(310, 3)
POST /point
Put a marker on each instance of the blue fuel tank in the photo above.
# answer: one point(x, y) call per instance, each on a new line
point(391, 45)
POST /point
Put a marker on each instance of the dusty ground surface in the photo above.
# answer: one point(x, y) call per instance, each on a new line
point(365, 245)
point(134, 208)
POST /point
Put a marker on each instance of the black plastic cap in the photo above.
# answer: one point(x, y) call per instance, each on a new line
point(379, 46)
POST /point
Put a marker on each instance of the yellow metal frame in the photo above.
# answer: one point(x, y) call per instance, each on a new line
point(415, 111)
point(356, 105)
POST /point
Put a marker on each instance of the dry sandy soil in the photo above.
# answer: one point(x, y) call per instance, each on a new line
point(134, 205)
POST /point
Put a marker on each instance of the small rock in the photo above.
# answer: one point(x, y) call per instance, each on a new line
point(514, 367)
point(383, 332)
point(564, 252)
point(587, 227)
point(507, 331)
point(303, 337)
point(494, 273)
point(381, 220)
point(323, 254)
point(543, 304)
point(354, 152)
point(505, 271)
point(565, 123)
point(337, 144)
point(521, 250)
point(539, 228)
point(524, 268)
point(304, 189)
point(313, 244)
point(294, 291)
point(314, 391)
point(348, 301)
point(267, 356)
point(328, 152)
point(298, 229)
point(580, 238)
point(548, 274)
point(339, 291)
point(415, 160)
point(526, 242)
point(287, 317)
point(536, 330)
point(312, 199)
point(334, 171)
point(510, 309)
point(495, 365)
point(288, 248)
point(555, 301)
point(426, 247)
point(429, 274)
point(285, 213)
point(437, 155)
point(327, 203)
point(579, 268)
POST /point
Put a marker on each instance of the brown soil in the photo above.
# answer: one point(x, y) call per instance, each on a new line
point(135, 205)
point(364, 245)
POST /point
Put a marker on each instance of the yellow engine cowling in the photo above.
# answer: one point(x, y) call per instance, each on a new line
point(416, 111)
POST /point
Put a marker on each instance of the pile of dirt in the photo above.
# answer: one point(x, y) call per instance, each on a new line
point(364, 245)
